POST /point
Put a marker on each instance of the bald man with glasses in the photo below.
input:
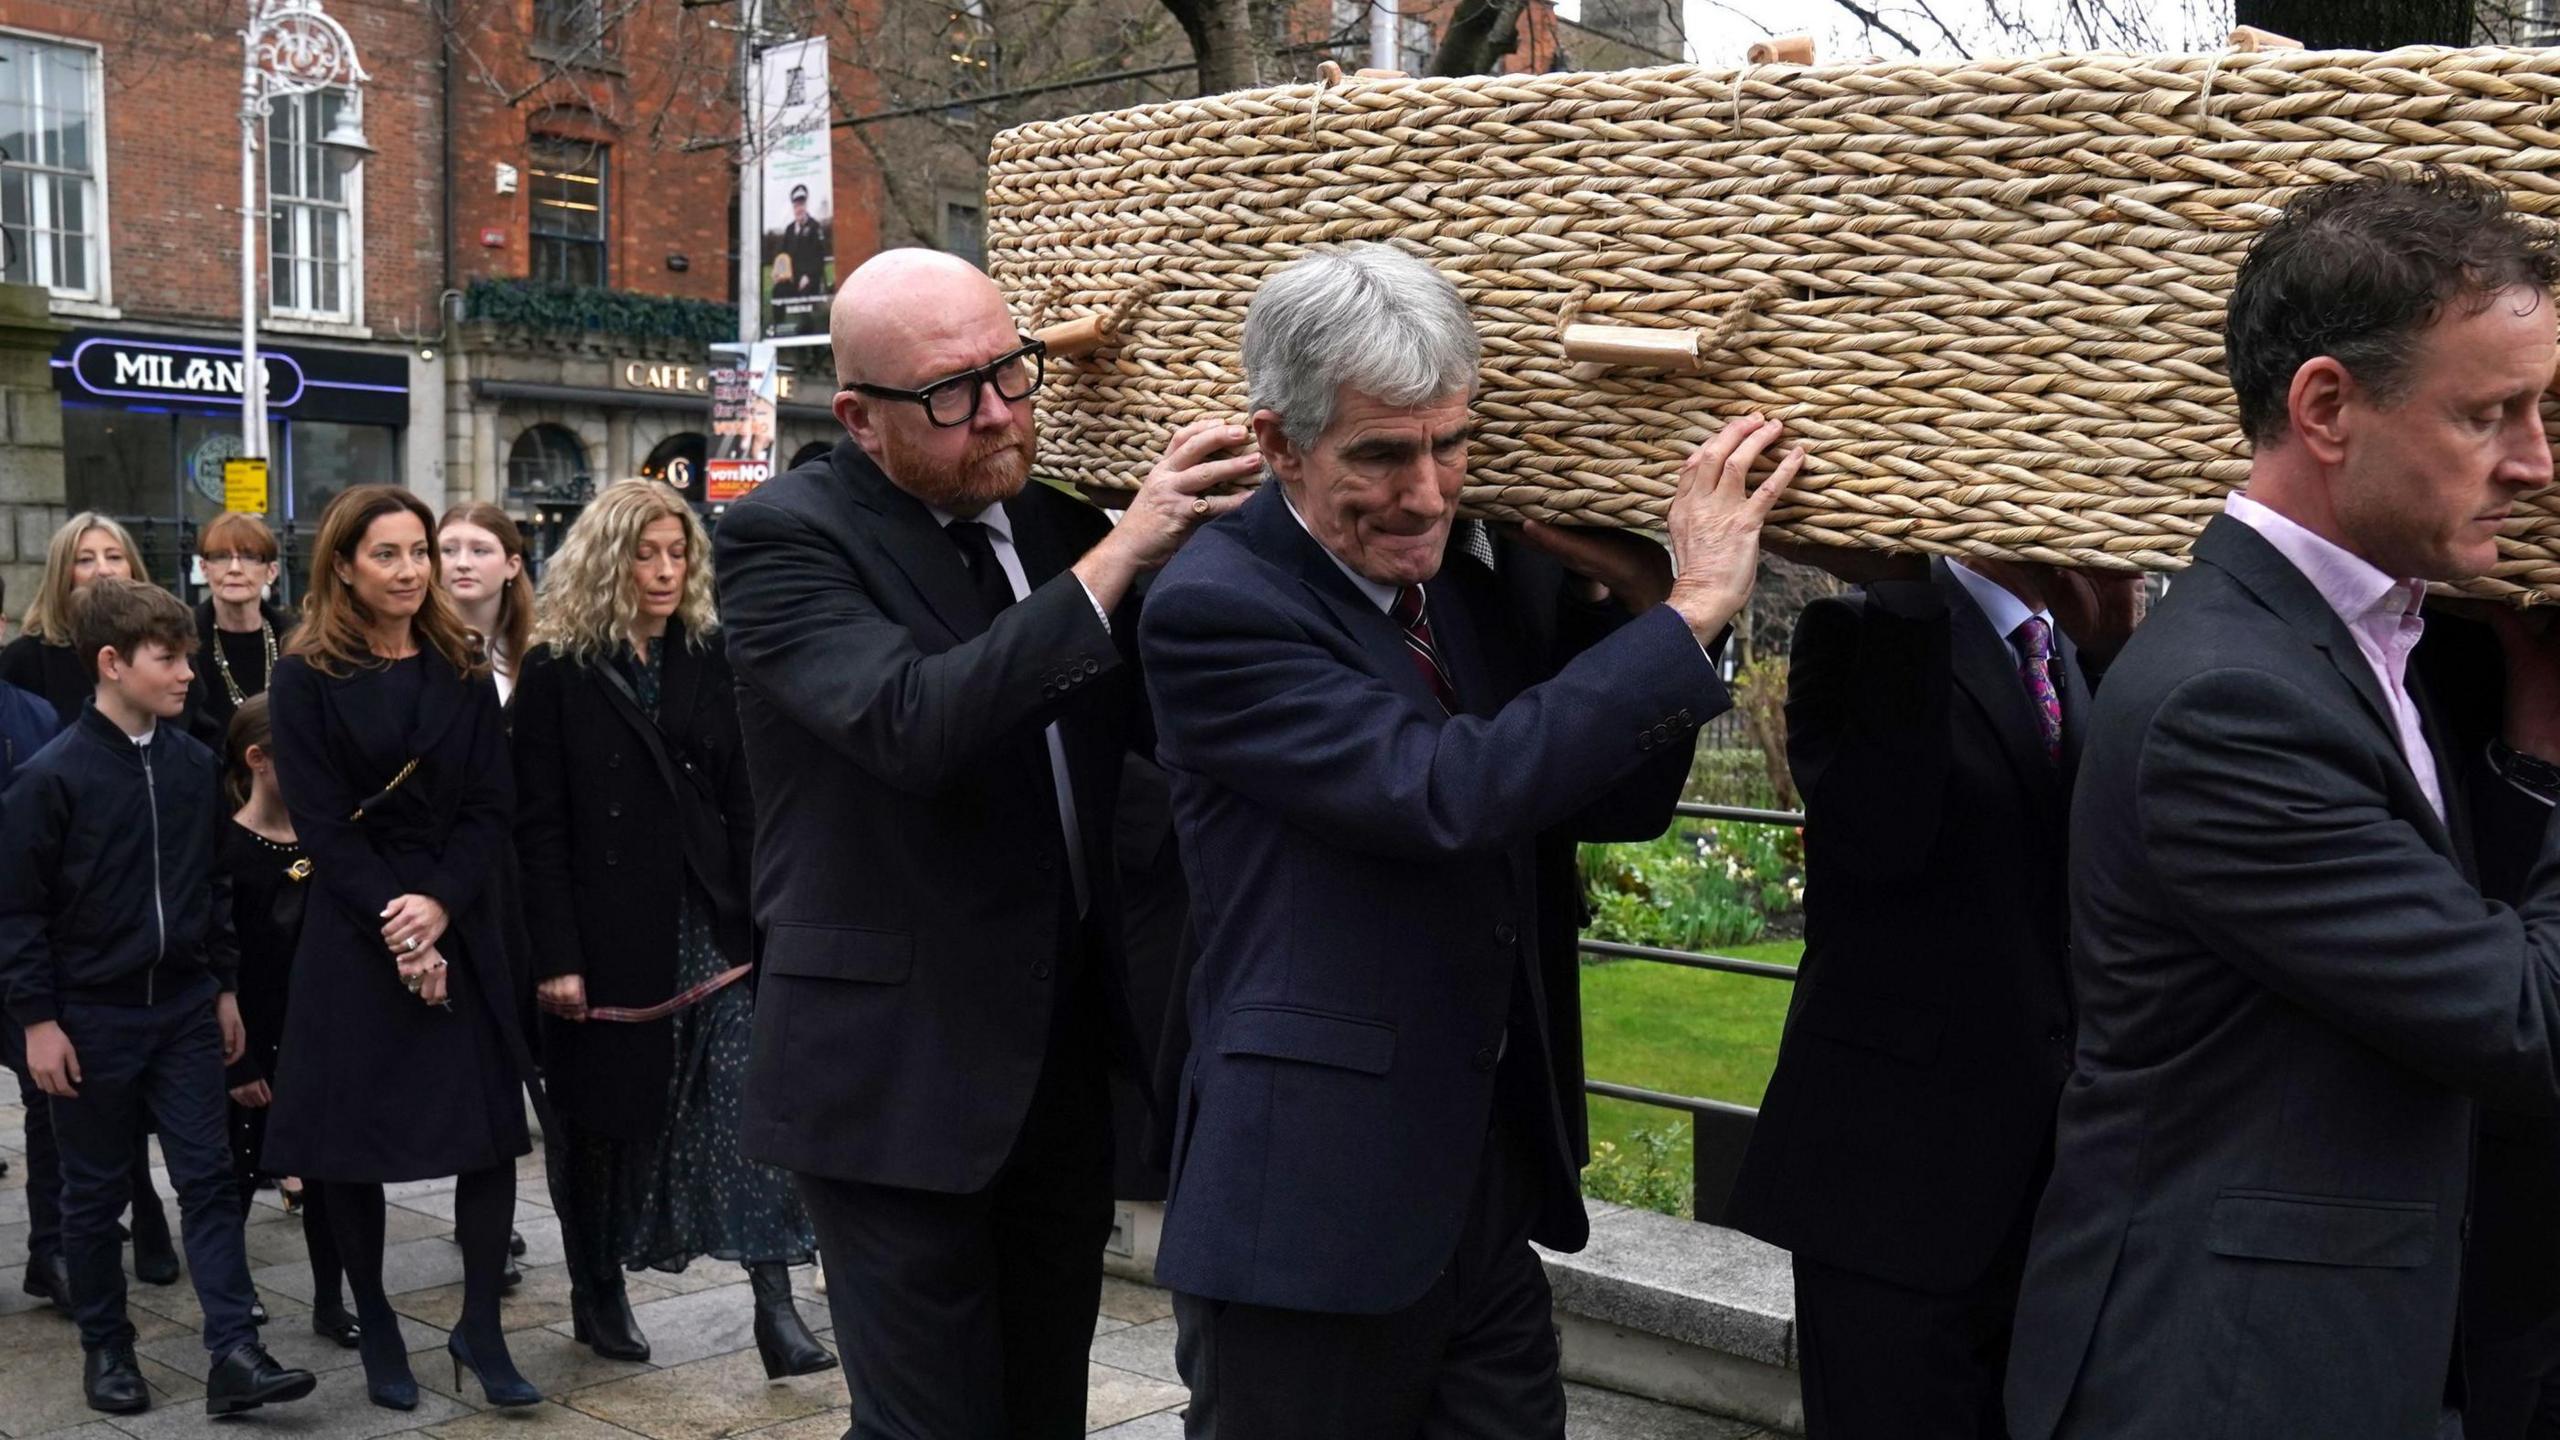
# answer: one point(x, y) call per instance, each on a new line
point(936, 685)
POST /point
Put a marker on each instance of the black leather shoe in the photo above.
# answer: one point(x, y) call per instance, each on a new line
point(332, 1322)
point(49, 1280)
point(515, 1238)
point(512, 1276)
point(249, 1377)
point(113, 1381)
point(155, 1258)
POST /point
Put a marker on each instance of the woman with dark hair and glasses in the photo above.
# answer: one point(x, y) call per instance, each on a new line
point(240, 630)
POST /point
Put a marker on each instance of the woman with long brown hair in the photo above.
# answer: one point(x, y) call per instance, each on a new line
point(402, 1058)
point(483, 572)
point(625, 727)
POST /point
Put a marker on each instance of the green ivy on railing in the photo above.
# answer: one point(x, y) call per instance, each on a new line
point(530, 305)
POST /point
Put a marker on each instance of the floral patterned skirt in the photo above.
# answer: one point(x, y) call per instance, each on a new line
point(659, 1204)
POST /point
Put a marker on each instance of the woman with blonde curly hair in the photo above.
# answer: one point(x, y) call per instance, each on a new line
point(625, 737)
point(41, 659)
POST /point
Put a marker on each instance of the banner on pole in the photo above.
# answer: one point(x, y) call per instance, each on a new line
point(798, 189)
point(744, 408)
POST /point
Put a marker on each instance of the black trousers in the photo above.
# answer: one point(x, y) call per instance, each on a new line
point(1882, 1362)
point(2512, 1384)
point(164, 1062)
point(1474, 1357)
point(968, 1317)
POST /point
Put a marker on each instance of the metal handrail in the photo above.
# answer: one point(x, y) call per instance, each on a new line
point(1712, 1165)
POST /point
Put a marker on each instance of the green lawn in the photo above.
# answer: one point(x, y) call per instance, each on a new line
point(1691, 1032)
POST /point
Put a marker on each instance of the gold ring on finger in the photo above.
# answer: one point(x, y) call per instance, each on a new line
point(1200, 507)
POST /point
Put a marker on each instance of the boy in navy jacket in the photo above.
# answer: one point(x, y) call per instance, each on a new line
point(116, 962)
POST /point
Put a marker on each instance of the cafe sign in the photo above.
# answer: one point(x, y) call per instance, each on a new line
point(128, 369)
point(664, 379)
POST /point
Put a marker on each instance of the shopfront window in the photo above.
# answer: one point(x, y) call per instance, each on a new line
point(329, 457)
point(546, 462)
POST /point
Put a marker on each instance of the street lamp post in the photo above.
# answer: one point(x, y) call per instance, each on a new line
point(291, 48)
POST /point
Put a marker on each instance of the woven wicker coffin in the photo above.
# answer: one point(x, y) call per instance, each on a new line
point(1988, 295)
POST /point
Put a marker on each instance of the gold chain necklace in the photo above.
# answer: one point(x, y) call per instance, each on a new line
point(222, 661)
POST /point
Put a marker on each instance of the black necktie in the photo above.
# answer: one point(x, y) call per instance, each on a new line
point(977, 547)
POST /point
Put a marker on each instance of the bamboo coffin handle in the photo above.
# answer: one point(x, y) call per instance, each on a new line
point(1677, 351)
point(1781, 50)
point(1083, 335)
point(2249, 40)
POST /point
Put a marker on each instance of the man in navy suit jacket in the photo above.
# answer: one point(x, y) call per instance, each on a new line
point(1364, 756)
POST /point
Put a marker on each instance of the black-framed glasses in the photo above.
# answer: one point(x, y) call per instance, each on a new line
point(953, 399)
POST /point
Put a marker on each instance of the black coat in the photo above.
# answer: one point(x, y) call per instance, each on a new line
point(209, 707)
point(1909, 1125)
point(373, 1085)
point(598, 831)
point(2291, 992)
point(2511, 1264)
point(51, 671)
point(910, 878)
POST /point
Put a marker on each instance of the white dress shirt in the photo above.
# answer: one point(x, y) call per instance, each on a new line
point(2007, 612)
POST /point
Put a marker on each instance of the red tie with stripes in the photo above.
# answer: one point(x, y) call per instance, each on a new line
point(1409, 613)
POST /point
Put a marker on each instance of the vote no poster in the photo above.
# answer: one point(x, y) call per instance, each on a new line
point(799, 188)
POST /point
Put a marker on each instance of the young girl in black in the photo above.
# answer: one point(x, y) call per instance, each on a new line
point(270, 878)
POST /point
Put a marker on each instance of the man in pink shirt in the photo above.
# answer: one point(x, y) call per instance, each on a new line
point(2291, 990)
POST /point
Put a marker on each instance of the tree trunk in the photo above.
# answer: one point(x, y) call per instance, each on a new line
point(2365, 24)
point(1481, 33)
point(1223, 41)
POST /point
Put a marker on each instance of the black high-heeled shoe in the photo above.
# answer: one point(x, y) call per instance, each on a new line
point(387, 1378)
point(496, 1371)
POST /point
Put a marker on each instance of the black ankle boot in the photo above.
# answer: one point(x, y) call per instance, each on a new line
point(600, 1317)
point(785, 1343)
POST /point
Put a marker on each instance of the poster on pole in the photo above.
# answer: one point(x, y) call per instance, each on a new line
point(744, 408)
point(798, 188)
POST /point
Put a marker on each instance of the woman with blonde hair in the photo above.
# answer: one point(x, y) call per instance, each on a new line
point(401, 1057)
point(41, 659)
point(483, 573)
point(624, 731)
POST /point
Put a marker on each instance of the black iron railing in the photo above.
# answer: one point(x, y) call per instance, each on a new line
point(1719, 1130)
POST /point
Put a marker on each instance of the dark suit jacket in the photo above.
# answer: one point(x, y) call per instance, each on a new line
point(1364, 880)
point(1909, 1124)
point(600, 839)
point(910, 881)
point(2291, 992)
point(2511, 1263)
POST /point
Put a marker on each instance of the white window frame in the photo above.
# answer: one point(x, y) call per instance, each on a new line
point(101, 289)
point(302, 210)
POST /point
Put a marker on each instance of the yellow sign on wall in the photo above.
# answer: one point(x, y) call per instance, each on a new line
point(244, 484)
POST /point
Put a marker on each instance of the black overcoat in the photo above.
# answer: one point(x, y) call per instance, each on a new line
point(600, 838)
point(373, 1085)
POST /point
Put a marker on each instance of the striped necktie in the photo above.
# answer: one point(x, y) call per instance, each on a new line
point(1409, 612)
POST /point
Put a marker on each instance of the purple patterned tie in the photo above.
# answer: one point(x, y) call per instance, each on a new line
point(1420, 648)
point(2034, 639)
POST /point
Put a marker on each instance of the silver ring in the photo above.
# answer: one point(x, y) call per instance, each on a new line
point(409, 944)
point(1200, 507)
